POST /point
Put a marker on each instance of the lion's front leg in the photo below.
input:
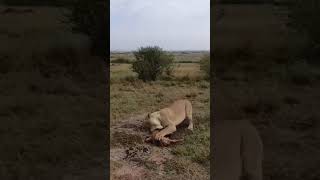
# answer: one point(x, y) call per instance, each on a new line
point(168, 130)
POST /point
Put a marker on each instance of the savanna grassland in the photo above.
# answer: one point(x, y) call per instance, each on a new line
point(131, 99)
point(260, 79)
point(47, 78)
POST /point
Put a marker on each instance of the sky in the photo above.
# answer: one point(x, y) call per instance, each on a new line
point(170, 24)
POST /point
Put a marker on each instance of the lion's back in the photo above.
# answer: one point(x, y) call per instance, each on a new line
point(177, 110)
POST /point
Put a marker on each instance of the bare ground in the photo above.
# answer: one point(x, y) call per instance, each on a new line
point(133, 159)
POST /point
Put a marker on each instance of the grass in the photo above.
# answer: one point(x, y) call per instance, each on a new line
point(123, 139)
point(121, 72)
point(130, 97)
point(180, 57)
point(45, 132)
point(182, 71)
point(196, 146)
point(245, 20)
point(48, 126)
point(181, 168)
point(260, 79)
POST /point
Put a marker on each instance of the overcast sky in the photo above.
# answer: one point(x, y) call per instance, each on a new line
point(170, 24)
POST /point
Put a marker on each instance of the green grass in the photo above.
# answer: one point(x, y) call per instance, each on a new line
point(180, 57)
point(178, 168)
point(181, 71)
point(52, 107)
point(48, 127)
point(130, 97)
point(196, 146)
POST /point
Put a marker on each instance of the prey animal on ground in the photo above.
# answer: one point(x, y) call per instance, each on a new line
point(163, 122)
point(163, 142)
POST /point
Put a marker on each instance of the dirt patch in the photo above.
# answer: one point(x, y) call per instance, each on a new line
point(135, 153)
point(127, 172)
point(125, 139)
point(133, 159)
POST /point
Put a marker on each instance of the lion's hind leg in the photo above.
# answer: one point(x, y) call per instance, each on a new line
point(189, 116)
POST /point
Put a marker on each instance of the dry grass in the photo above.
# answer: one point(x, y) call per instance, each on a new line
point(180, 57)
point(261, 82)
point(182, 71)
point(191, 70)
point(180, 168)
point(242, 24)
point(285, 117)
point(121, 72)
point(45, 132)
point(45, 32)
point(130, 97)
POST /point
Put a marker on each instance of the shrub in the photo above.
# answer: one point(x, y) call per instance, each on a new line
point(205, 65)
point(86, 17)
point(90, 17)
point(152, 62)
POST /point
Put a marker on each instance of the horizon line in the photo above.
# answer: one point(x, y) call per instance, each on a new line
point(163, 49)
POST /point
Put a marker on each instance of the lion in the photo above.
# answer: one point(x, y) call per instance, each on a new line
point(166, 119)
point(238, 151)
point(237, 146)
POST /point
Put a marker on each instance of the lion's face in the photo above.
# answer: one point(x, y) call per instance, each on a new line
point(153, 121)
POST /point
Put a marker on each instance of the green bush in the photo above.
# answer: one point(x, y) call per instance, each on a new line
point(152, 62)
point(87, 16)
point(205, 65)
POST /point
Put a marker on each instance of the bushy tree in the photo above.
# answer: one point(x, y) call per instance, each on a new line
point(90, 17)
point(205, 65)
point(151, 62)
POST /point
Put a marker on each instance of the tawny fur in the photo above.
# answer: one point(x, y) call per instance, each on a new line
point(239, 151)
point(168, 118)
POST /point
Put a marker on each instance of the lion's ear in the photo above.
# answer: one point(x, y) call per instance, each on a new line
point(148, 116)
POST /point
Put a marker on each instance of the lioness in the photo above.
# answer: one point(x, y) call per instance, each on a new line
point(237, 147)
point(168, 118)
point(238, 151)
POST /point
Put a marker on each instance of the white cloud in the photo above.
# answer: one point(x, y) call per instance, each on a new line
point(171, 24)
